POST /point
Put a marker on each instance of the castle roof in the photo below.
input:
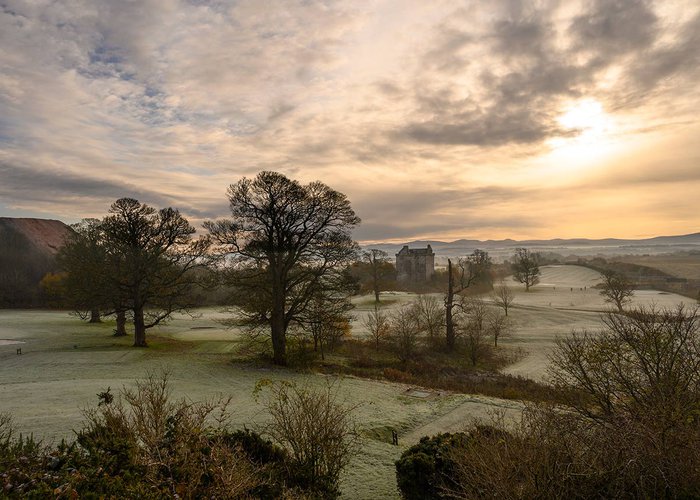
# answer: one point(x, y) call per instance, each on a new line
point(415, 251)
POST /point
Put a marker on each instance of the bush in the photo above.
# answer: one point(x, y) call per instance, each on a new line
point(271, 461)
point(631, 428)
point(316, 430)
point(426, 470)
point(421, 470)
point(141, 445)
point(144, 444)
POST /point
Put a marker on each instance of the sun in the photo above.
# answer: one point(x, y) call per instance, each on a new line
point(588, 136)
point(586, 116)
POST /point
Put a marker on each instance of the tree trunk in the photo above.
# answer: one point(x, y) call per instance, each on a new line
point(139, 328)
point(279, 340)
point(95, 316)
point(121, 324)
point(449, 304)
point(375, 280)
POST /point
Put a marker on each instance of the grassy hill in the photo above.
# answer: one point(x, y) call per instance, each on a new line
point(27, 252)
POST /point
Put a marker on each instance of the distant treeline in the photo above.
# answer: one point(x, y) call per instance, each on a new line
point(645, 277)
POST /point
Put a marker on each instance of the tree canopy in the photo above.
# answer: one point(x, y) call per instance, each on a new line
point(616, 289)
point(152, 255)
point(285, 241)
point(526, 268)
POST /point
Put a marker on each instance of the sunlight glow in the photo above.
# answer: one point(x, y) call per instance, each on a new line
point(586, 115)
point(591, 136)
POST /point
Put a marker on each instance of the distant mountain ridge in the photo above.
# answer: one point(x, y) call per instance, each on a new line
point(587, 246)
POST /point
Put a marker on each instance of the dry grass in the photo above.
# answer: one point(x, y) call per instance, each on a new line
point(436, 369)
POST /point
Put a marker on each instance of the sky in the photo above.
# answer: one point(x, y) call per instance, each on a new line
point(442, 119)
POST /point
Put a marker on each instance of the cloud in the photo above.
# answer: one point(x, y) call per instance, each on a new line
point(615, 27)
point(530, 63)
point(441, 112)
point(430, 212)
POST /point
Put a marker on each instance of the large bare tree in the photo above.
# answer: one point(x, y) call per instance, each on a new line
point(503, 296)
point(83, 260)
point(379, 268)
point(470, 270)
point(616, 289)
point(152, 256)
point(284, 238)
point(377, 324)
point(526, 268)
point(89, 284)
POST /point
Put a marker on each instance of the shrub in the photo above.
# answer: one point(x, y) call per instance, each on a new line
point(631, 428)
point(426, 470)
point(316, 430)
point(271, 461)
point(140, 445)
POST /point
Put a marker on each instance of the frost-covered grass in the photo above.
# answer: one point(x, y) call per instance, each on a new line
point(565, 300)
point(66, 362)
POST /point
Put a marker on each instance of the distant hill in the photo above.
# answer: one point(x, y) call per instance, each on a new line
point(565, 247)
point(27, 252)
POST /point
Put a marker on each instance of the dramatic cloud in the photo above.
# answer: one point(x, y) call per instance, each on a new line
point(438, 119)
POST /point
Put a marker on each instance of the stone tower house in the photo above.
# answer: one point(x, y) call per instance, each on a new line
point(415, 265)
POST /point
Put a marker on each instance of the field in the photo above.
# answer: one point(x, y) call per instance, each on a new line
point(679, 264)
point(65, 363)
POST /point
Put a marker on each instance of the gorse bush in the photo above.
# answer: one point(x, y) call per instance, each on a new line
point(145, 444)
point(142, 444)
point(424, 468)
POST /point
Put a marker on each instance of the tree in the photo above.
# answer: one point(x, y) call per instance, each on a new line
point(152, 254)
point(430, 315)
point(643, 363)
point(503, 296)
point(526, 269)
point(284, 238)
point(470, 270)
point(327, 317)
point(474, 329)
point(83, 258)
point(379, 269)
point(377, 324)
point(498, 325)
point(89, 283)
point(616, 289)
point(404, 329)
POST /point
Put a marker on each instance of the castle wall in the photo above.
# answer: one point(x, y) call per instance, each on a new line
point(415, 265)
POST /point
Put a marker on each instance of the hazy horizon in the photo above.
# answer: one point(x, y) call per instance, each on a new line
point(440, 120)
